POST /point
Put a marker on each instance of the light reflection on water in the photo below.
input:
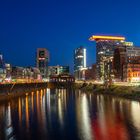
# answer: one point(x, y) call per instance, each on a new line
point(83, 117)
point(67, 114)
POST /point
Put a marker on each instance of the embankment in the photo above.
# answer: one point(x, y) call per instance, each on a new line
point(129, 92)
point(13, 90)
point(9, 91)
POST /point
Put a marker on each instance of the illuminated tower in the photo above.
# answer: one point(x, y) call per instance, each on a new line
point(42, 60)
point(80, 63)
point(105, 46)
point(2, 68)
point(1, 62)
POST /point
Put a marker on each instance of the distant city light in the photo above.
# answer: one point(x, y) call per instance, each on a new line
point(41, 58)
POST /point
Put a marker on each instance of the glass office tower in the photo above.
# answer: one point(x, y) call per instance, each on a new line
point(80, 63)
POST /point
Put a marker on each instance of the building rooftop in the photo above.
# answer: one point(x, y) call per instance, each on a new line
point(97, 37)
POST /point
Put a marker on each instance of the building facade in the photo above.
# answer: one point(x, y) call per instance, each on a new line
point(131, 73)
point(90, 73)
point(2, 69)
point(8, 69)
point(79, 63)
point(120, 58)
point(42, 59)
point(127, 63)
point(25, 74)
point(105, 46)
point(131, 69)
point(58, 70)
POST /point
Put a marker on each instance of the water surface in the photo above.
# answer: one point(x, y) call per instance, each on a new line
point(62, 114)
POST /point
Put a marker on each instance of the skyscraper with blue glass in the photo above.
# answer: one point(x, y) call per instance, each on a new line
point(79, 63)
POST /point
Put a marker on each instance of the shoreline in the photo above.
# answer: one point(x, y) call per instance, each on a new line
point(126, 92)
point(13, 91)
point(5, 97)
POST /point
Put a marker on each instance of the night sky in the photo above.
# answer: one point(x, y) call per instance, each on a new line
point(61, 26)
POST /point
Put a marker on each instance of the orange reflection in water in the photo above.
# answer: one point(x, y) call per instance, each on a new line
point(41, 112)
point(19, 112)
point(27, 112)
point(61, 105)
point(32, 101)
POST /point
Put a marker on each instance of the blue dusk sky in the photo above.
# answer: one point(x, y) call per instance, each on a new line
point(61, 26)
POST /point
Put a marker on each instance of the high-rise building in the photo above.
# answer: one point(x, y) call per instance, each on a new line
point(79, 63)
point(105, 46)
point(1, 62)
point(120, 58)
point(2, 68)
point(42, 60)
point(8, 69)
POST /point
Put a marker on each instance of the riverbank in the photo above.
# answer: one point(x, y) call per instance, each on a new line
point(15, 90)
point(119, 91)
point(11, 91)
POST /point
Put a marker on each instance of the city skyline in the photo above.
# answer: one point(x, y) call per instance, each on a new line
point(69, 70)
point(29, 25)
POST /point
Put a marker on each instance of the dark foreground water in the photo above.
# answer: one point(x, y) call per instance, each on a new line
point(61, 114)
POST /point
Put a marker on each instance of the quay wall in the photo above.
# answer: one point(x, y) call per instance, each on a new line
point(13, 90)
